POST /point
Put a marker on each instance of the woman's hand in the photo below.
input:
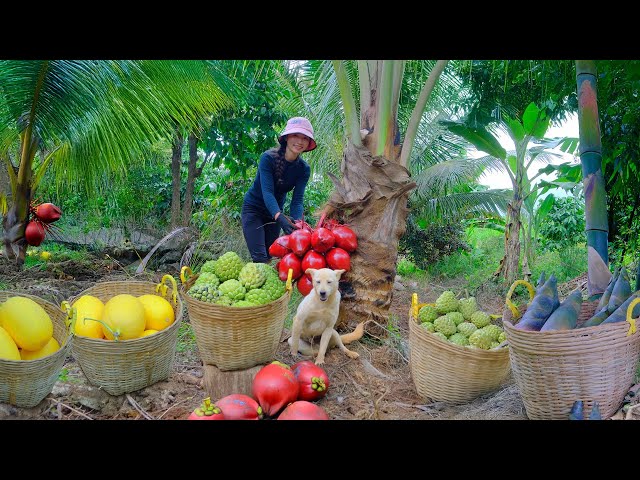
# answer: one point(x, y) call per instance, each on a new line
point(284, 223)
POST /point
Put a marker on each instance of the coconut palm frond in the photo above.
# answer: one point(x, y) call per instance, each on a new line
point(457, 205)
point(108, 111)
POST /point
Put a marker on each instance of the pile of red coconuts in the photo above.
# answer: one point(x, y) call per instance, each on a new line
point(278, 392)
point(328, 245)
point(42, 216)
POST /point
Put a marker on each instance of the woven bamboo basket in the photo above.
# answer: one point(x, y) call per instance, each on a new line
point(25, 383)
point(129, 365)
point(235, 338)
point(553, 369)
point(445, 372)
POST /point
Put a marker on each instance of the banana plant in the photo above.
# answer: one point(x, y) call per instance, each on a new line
point(532, 126)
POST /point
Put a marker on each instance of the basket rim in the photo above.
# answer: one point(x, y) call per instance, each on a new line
point(444, 344)
point(67, 339)
point(231, 308)
point(150, 338)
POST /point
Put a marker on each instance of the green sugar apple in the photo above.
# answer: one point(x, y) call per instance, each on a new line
point(427, 313)
point(228, 266)
point(494, 331)
point(446, 302)
point(207, 278)
point(223, 300)
point(252, 275)
point(480, 319)
point(257, 296)
point(429, 326)
point(467, 328)
point(232, 289)
point(480, 339)
point(204, 292)
point(502, 337)
point(459, 339)
point(440, 335)
point(466, 306)
point(456, 317)
point(445, 325)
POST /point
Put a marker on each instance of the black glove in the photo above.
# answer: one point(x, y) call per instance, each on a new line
point(285, 224)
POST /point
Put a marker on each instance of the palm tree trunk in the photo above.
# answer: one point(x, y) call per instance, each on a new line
point(191, 179)
point(176, 162)
point(595, 195)
point(372, 199)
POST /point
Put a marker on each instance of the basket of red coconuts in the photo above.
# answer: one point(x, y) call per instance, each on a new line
point(278, 392)
point(328, 245)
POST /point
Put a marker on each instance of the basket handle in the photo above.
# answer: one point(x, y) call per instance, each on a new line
point(415, 306)
point(632, 321)
point(185, 273)
point(514, 310)
point(72, 315)
point(162, 288)
point(289, 284)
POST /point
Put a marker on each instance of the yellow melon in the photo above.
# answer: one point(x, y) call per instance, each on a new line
point(146, 333)
point(158, 312)
point(27, 322)
point(52, 346)
point(8, 348)
point(88, 307)
point(123, 318)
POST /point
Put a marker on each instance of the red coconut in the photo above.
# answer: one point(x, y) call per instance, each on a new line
point(305, 285)
point(345, 238)
point(290, 260)
point(313, 259)
point(322, 239)
point(34, 233)
point(48, 212)
point(206, 411)
point(274, 387)
point(338, 259)
point(239, 407)
point(312, 378)
point(303, 410)
point(300, 242)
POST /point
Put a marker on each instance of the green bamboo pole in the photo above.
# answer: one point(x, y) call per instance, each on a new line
point(597, 228)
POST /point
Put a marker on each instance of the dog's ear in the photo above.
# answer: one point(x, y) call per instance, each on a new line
point(310, 271)
point(339, 273)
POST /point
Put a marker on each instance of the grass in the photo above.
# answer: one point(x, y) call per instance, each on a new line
point(487, 249)
point(186, 338)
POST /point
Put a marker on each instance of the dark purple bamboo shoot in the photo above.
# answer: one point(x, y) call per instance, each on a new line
point(565, 317)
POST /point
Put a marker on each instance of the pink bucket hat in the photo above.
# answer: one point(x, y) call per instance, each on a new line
point(300, 125)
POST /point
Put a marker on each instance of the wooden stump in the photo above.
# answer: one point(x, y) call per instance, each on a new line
point(218, 383)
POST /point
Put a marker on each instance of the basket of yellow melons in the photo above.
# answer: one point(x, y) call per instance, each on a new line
point(126, 333)
point(35, 339)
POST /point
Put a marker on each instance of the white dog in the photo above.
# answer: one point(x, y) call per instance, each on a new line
point(317, 315)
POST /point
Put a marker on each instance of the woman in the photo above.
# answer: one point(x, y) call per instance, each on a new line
point(281, 169)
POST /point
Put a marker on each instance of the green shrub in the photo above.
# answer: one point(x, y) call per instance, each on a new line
point(426, 246)
point(564, 225)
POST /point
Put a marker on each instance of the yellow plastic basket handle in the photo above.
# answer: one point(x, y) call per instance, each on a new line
point(416, 306)
point(632, 321)
point(289, 284)
point(514, 310)
point(72, 314)
point(185, 273)
point(162, 288)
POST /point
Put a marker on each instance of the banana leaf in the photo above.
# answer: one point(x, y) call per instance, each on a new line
point(565, 317)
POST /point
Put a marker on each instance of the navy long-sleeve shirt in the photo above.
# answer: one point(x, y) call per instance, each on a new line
point(266, 195)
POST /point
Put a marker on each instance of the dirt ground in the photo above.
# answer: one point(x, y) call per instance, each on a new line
point(376, 386)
